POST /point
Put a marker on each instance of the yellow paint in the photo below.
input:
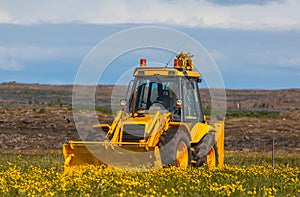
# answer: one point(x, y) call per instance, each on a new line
point(164, 72)
point(211, 158)
point(219, 128)
point(199, 130)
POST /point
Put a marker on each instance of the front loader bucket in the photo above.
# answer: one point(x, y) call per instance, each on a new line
point(78, 155)
point(97, 153)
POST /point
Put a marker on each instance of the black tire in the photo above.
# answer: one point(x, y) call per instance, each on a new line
point(201, 149)
point(169, 143)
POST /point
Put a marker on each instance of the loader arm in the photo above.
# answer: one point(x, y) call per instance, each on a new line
point(158, 125)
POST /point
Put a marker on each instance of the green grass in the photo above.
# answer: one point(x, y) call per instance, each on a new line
point(261, 158)
point(251, 113)
point(40, 173)
point(54, 158)
point(104, 109)
point(248, 113)
point(24, 159)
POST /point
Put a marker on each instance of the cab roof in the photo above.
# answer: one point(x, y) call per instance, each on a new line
point(162, 71)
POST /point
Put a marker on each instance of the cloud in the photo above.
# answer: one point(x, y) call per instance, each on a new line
point(10, 65)
point(240, 14)
point(290, 62)
point(244, 2)
point(5, 17)
point(217, 55)
point(40, 53)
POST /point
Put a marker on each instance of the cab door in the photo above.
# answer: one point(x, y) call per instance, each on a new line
point(192, 109)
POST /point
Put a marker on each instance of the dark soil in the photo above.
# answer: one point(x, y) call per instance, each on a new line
point(34, 116)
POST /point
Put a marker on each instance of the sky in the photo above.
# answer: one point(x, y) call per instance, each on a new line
point(255, 43)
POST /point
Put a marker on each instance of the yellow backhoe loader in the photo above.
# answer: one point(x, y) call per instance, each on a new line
point(161, 123)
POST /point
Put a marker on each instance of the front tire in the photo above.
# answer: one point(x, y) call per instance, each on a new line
point(174, 146)
point(206, 151)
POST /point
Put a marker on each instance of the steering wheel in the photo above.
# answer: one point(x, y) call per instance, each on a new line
point(160, 103)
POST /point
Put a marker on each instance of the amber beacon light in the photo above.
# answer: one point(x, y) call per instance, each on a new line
point(143, 63)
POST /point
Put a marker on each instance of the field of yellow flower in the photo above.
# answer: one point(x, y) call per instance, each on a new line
point(41, 174)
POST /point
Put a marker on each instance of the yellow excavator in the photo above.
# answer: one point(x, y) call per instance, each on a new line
point(160, 123)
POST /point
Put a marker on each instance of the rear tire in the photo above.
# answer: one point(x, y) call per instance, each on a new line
point(174, 146)
point(206, 151)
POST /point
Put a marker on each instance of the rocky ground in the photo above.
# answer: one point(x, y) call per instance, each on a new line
point(40, 117)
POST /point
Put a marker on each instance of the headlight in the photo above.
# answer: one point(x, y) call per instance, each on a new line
point(123, 103)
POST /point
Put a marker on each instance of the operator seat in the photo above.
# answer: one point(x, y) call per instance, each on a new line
point(162, 103)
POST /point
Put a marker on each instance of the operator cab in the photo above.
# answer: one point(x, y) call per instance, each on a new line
point(172, 90)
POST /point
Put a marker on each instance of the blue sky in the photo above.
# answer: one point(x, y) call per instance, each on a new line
point(256, 44)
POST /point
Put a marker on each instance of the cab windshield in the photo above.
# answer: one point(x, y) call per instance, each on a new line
point(178, 95)
point(155, 90)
